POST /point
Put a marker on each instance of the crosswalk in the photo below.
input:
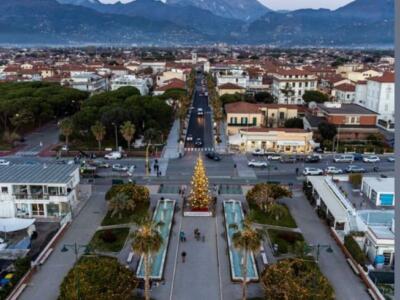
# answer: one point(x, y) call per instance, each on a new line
point(27, 153)
point(199, 149)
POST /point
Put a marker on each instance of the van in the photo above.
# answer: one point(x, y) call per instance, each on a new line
point(344, 158)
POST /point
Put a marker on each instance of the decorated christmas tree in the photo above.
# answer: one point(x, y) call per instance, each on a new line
point(199, 197)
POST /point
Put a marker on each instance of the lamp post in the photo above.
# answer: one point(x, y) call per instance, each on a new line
point(76, 247)
point(116, 136)
point(318, 248)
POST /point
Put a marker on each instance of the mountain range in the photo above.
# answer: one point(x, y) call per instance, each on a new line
point(174, 22)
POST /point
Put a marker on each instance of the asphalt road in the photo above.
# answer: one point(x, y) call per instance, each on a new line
point(200, 126)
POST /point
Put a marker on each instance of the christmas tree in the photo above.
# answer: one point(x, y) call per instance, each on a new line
point(199, 197)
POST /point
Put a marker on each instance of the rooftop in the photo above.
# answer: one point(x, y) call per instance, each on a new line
point(345, 87)
point(230, 86)
point(380, 184)
point(343, 109)
point(387, 77)
point(37, 173)
point(382, 232)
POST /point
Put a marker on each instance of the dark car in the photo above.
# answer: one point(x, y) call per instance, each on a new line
point(198, 142)
point(357, 156)
point(288, 159)
point(214, 156)
point(318, 150)
point(354, 169)
point(312, 159)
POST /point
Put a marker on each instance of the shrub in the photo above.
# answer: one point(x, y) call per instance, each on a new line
point(288, 236)
point(140, 194)
point(282, 246)
point(355, 180)
point(108, 236)
point(354, 249)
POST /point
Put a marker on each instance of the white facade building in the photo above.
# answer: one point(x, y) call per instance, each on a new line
point(289, 85)
point(87, 82)
point(235, 76)
point(345, 93)
point(380, 98)
point(130, 80)
point(38, 190)
point(361, 92)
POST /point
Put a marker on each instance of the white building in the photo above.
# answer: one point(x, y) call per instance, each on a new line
point(87, 82)
point(379, 190)
point(289, 85)
point(38, 190)
point(130, 80)
point(379, 245)
point(361, 92)
point(180, 74)
point(345, 93)
point(156, 66)
point(380, 98)
point(235, 76)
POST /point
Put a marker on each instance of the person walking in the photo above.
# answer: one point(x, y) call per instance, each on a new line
point(183, 254)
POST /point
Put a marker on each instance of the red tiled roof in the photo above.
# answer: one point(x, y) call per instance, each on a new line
point(173, 84)
point(387, 77)
point(230, 86)
point(345, 87)
point(242, 107)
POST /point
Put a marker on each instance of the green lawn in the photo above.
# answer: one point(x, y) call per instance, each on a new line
point(285, 240)
point(261, 217)
point(120, 234)
point(139, 212)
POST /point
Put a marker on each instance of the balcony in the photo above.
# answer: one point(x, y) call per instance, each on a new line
point(26, 196)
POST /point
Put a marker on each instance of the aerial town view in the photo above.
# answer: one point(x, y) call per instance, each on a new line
point(191, 150)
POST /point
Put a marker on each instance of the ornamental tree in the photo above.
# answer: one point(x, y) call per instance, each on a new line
point(199, 197)
point(266, 195)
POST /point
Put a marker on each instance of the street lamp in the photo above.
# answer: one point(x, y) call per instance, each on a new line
point(76, 247)
point(116, 136)
point(318, 248)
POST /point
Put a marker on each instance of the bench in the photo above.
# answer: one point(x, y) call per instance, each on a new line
point(46, 256)
point(130, 257)
point(264, 258)
point(350, 262)
point(18, 292)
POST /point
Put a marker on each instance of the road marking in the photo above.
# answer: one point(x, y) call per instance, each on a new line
point(176, 260)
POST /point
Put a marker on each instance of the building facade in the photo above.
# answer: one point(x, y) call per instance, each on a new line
point(130, 80)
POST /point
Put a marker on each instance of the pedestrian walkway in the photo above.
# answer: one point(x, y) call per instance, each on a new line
point(171, 149)
point(199, 149)
point(198, 277)
point(222, 147)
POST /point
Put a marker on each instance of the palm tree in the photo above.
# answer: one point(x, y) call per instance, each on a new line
point(247, 240)
point(147, 240)
point(99, 131)
point(128, 131)
point(66, 128)
point(119, 204)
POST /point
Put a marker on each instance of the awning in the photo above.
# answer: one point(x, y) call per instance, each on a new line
point(290, 143)
point(235, 139)
point(14, 224)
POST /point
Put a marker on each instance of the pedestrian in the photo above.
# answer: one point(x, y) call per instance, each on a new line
point(297, 171)
point(183, 254)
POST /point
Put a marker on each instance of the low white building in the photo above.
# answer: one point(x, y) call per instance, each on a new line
point(40, 191)
point(130, 80)
point(87, 82)
point(361, 92)
point(235, 76)
point(379, 190)
point(380, 245)
point(345, 93)
point(289, 85)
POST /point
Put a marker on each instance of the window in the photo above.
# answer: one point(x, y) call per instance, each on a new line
point(233, 120)
point(300, 84)
point(306, 84)
point(299, 93)
point(243, 120)
point(4, 189)
point(353, 120)
point(282, 115)
point(254, 121)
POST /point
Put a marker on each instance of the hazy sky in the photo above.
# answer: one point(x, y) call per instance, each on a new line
point(286, 4)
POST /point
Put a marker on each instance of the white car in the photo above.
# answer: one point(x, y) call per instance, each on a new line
point(333, 170)
point(257, 163)
point(119, 168)
point(258, 152)
point(274, 156)
point(4, 162)
point(189, 138)
point(131, 170)
point(113, 155)
point(371, 159)
point(343, 159)
point(312, 171)
point(391, 159)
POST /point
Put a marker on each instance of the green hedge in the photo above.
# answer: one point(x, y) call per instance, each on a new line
point(354, 249)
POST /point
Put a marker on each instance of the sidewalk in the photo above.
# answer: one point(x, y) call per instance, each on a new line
point(46, 282)
point(223, 146)
point(171, 149)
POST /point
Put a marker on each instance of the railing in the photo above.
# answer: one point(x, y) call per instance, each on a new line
point(23, 196)
point(341, 197)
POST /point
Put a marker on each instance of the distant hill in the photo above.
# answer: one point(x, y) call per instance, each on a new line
point(151, 22)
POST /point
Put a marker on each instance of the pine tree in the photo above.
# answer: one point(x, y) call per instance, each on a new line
point(199, 197)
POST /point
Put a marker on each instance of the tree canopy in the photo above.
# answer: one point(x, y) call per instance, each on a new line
point(264, 97)
point(265, 195)
point(138, 193)
point(315, 96)
point(294, 123)
point(327, 131)
point(100, 278)
point(295, 279)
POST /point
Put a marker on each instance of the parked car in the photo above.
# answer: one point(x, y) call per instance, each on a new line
point(318, 150)
point(358, 157)
point(289, 159)
point(198, 142)
point(257, 164)
point(258, 152)
point(274, 156)
point(333, 170)
point(343, 159)
point(101, 164)
point(214, 156)
point(113, 155)
point(313, 159)
point(312, 171)
point(371, 159)
point(189, 138)
point(4, 162)
point(390, 159)
point(119, 168)
point(354, 169)
point(88, 168)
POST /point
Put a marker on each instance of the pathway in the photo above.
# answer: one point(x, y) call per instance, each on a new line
point(347, 285)
point(171, 148)
point(46, 282)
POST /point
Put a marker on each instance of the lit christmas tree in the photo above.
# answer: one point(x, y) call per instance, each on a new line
point(199, 197)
